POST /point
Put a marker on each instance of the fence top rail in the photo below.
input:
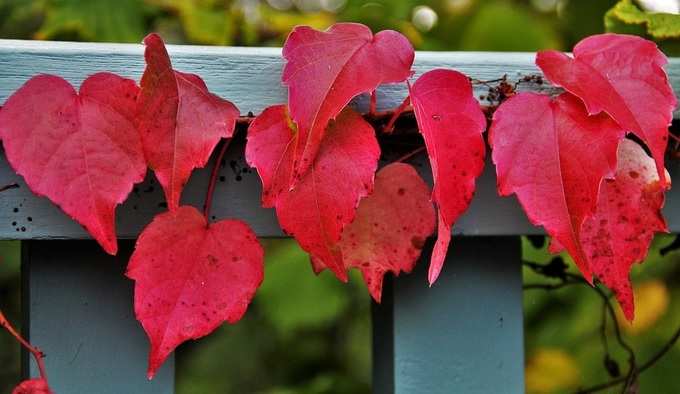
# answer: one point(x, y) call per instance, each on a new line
point(250, 78)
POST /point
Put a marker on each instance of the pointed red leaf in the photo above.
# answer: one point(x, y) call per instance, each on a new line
point(623, 76)
point(79, 149)
point(623, 226)
point(390, 227)
point(191, 276)
point(271, 142)
point(32, 386)
point(180, 121)
point(553, 156)
point(452, 123)
point(326, 197)
point(325, 70)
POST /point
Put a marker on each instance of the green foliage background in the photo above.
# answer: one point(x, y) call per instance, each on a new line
point(306, 334)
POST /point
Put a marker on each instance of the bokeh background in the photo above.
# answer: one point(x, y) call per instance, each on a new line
point(307, 334)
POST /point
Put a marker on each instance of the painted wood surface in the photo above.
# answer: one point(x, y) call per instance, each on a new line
point(250, 78)
point(462, 336)
point(80, 313)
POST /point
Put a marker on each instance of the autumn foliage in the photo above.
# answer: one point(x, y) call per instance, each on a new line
point(597, 193)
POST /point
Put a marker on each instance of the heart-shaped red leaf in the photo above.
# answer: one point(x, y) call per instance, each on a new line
point(191, 276)
point(32, 386)
point(179, 120)
point(628, 214)
point(452, 123)
point(390, 227)
point(80, 150)
point(326, 197)
point(623, 76)
point(325, 70)
point(553, 156)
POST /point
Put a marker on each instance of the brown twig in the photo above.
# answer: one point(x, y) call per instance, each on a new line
point(10, 186)
point(37, 354)
point(634, 370)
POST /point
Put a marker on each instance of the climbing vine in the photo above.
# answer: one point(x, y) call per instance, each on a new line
point(586, 164)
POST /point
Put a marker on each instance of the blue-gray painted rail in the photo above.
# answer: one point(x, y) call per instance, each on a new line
point(464, 335)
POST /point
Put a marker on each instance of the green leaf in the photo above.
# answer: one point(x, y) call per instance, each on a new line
point(626, 17)
point(94, 20)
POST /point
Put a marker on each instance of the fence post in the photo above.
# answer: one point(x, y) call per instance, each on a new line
point(78, 310)
point(463, 335)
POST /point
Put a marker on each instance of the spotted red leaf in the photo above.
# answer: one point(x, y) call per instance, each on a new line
point(79, 149)
point(627, 216)
point(32, 386)
point(325, 70)
point(623, 76)
point(553, 156)
point(191, 276)
point(180, 121)
point(452, 123)
point(326, 197)
point(390, 227)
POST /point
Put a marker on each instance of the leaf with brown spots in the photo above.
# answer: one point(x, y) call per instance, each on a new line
point(553, 156)
point(390, 228)
point(452, 124)
point(191, 276)
point(628, 214)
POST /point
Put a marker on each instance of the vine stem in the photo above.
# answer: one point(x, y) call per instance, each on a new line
point(674, 137)
point(652, 360)
point(37, 354)
point(213, 179)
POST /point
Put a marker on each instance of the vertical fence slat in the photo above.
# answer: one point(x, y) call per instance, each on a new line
point(79, 309)
point(463, 335)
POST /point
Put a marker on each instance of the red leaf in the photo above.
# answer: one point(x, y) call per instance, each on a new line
point(180, 121)
point(553, 156)
point(326, 197)
point(621, 230)
point(325, 70)
point(192, 276)
point(80, 150)
point(271, 142)
point(452, 124)
point(623, 76)
point(32, 386)
point(390, 227)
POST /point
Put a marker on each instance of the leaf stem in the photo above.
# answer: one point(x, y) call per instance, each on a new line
point(374, 103)
point(410, 154)
point(674, 137)
point(213, 179)
point(389, 127)
point(37, 354)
